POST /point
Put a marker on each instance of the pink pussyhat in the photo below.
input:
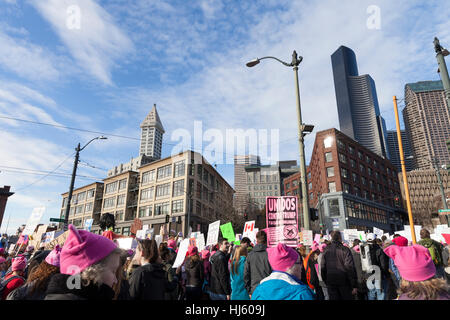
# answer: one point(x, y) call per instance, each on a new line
point(83, 249)
point(322, 247)
point(19, 264)
point(357, 248)
point(315, 246)
point(400, 241)
point(172, 244)
point(205, 254)
point(2, 260)
point(413, 262)
point(282, 257)
point(53, 257)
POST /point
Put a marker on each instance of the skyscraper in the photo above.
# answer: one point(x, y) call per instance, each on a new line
point(152, 132)
point(394, 150)
point(240, 179)
point(357, 102)
point(427, 122)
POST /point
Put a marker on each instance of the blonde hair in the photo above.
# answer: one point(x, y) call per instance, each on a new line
point(94, 273)
point(240, 251)
point(424, 290)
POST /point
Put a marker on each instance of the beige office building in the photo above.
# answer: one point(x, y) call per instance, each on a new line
point(86, 204)
point(427, 122)
point(240, 180)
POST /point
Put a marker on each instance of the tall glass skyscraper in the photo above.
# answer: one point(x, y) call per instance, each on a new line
point(357, 102)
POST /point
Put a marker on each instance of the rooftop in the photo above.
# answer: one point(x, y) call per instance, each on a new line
point(424, 86)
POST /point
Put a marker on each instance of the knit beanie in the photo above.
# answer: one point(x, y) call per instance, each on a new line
point(282, 257)
point(322, 247)
point(400, 241)
point(83, 249)
point(172, 244)
point(53, 257)
point(205, 254)
point(192, 251)
point(19, 264)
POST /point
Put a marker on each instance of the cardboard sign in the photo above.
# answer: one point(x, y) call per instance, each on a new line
point(127, 243)
point(378, 232)
point(307, 237)
point(88, 224)
point(282, 221)
point(201, 242)
point(228, 232)
point(213, 233)
point(33, 221)
point(181, 255)
point(60, 239)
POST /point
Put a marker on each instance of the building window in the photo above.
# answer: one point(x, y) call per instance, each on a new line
point(178, 188)
point(126, 231)
point(346, 188)
point(362, 168)
point(179, 168)
point(340, 144)
point(354, 177)
point(164, 172)
point(119, 215)
point(332, 186)
point(121, 199)
point(81, 196)
point(148, 176)
point(288, 185)
point(177, 206)
point(162, 208)
point(342, 158)
point(147, 194)
point(163, 190)
point(333, 207)
point(367, 159)
point(351, 150)
point(353, 163)
point(145, 211)
point(328, 157)
point(364, 181)
point(310, 186)
point(88, 207)
point(369, 171)
point(109, 202)
point(79, 209)
point(328, 142)
point(371, 184)
point(344, 173)
point(123, 184)
point(90, 193)
point(330, 172)
point(357, 191)
point(360, 155)
point(198, 208)
point(111, 187)
point(64, 202)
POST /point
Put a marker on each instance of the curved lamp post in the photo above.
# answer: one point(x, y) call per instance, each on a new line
point(72, 181)
point(303, 130)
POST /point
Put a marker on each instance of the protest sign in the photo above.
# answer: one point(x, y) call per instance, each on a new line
point(127, 243)
point(362, 236)
point(201, 242)
point(317, 238)
point(350, 235)
point(282, 221)
point(158, 239)
point(140, 234)
point(33, 221)
point(59, 239)
point(145, 227)
point(307, 237)
point(249, 226)
point(378, 232)
point(213, 233)
point(238, 237)
point(446, 236)
point(48, 236)
point(181, 255)
point(193, 242)
point(228, 232)
point(88, 224)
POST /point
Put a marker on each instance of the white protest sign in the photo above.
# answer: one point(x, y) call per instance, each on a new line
point(33, 221)
point(378, 232)
point(140, 234)
point(350, 235)
point(362, 236)
point(127, 243)
point(181, 255)
point(201, 242)
point(213, 233)
point(88, 224)
point(145, 227)
point(158, 239)
point(48, 236)
point(238, 237)
point(249, 226)
point(408, 232)
point(307, 237)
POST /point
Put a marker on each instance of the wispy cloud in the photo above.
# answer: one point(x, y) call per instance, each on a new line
point(97, 44)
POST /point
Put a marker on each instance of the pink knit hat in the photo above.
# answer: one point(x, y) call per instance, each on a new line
point(30, 248)
point(53, 257)
point(357, 249)
point(205, 254)
point(2, 260)
point(414, 262)
point(172, 244)
point(322, 247)
point(83, 249)
point(400, 241)
point(19, 264)
point(192, 251)
point(282, 257)
point(315, 246)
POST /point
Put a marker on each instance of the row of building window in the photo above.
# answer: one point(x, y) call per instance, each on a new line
point(114, 201)
point(80, 197)
point(87, 208)
point(112, 187)
point(264, 187)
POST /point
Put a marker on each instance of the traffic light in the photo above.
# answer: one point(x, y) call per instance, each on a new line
point(179, 220)
point(245, 215)
point(397, 201)
point(167, 218)
point(313, 214)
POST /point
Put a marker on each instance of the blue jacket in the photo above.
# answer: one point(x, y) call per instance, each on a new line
point(238, 291)
point(282, 286)
point(394, 269)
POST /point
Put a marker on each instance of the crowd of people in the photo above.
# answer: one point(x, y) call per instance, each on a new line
point(92, 267)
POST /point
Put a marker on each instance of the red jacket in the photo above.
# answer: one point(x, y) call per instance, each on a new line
point(12, 285)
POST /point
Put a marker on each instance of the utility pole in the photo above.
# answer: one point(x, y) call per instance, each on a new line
point(440, 54)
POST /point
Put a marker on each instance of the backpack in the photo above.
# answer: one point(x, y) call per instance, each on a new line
point(4, 283)
point(435, 254)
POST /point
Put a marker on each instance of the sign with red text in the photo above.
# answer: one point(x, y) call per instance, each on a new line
point(282, 221)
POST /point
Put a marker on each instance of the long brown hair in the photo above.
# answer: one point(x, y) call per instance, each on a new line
point(240, 251)
point(41, 275)
point(424, 290)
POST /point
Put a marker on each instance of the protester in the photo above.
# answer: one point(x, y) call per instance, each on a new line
point(172, 246)
point(418, 273)
point(107, 224)
point(302, 251)
point(122, 287)
point(28, 252)
point(284, 282)
point(379, 289)
point(207, 273)
point(311, 269)
point(88, 266)
point(149, 281)
point(220, 287)
point(395, 274)
point(361, 280)
point(238, 291)
point(194, 274)
point(435, 249)
point(257, 266)
point(36, 285)
point(338, 270)
point(15, 279)
point(322, 284)
point(2, 267)
point(166, 258)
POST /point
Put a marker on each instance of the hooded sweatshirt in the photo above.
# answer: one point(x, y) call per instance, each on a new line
point(282, 286)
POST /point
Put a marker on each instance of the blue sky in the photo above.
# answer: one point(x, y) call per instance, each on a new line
point(189, 58)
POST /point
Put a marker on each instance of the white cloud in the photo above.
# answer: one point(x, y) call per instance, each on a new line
point(97, 45)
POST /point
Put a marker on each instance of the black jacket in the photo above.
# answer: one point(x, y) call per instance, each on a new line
point(194, 273)
point(149, 282)
point(379, 258)
point(24, 293)
point(57, 289)
point(337, 266)
point(220, 275)
point(256, 268)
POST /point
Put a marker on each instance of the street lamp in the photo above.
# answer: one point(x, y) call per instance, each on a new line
point(303, 129)
point(72, 181)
